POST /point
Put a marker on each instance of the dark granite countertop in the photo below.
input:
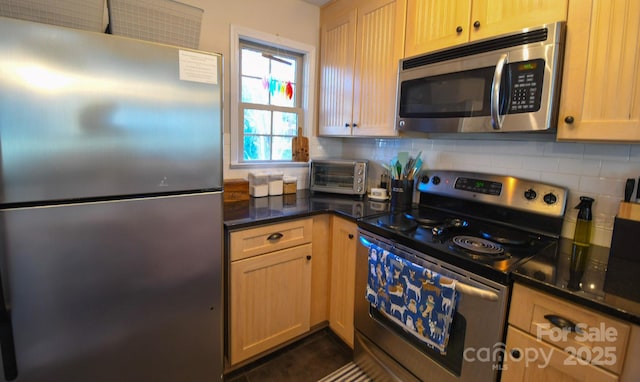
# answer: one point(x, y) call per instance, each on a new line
point(614, 293)
point(270, 209)
point(603, 286)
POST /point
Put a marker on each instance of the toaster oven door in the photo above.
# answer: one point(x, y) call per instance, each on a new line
point(341, 177)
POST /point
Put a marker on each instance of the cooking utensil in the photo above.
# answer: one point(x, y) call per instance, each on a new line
point(628, 189)
point(407, 168)
point(404, 167)
point(300, 147)
point(446, 227)
point(396, 168)
point(403, 158)
point(416, 167)
point(392, 169)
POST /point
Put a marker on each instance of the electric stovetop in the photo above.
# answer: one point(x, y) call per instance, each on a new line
point(487, 224)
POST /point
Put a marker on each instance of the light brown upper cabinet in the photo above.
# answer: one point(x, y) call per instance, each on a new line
point(361, 45)
point(600, 98)
point(438, 24)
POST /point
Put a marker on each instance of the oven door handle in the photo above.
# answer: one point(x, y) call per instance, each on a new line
point(460, 286)
point(477, 292)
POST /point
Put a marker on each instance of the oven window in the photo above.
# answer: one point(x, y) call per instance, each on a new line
point(334, 176)
point(459, 94)
point(452, 360)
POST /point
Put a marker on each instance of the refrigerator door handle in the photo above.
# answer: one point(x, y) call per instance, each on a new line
point(7, 346)
point(8, 350)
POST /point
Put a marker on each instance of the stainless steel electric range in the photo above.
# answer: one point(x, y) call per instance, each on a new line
point(471, 229)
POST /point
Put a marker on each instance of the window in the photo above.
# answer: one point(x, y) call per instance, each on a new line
point(269, 106)
point(271, 96)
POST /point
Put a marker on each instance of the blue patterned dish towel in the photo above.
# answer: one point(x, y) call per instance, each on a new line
point(416, 298)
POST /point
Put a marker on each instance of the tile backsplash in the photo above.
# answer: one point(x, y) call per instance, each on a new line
point(595, 170)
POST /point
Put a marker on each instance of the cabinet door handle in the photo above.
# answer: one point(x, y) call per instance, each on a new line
point(275, 236)
point(459, 29)
point(347, 124)
point(350, 236)
point(308, 257)
point(355, 125)
point(568, 119)
point(562, 323)
point(476, 24)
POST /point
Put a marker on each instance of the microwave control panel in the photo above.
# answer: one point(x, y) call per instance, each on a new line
point(525, 79)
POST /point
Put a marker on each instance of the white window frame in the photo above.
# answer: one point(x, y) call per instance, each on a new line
point(308, 95)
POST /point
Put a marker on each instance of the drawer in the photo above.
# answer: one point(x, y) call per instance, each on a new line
point(271, 237)
point(601, 339)
point(527, 359)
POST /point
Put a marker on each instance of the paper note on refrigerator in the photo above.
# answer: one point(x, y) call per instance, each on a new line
point(198, 67)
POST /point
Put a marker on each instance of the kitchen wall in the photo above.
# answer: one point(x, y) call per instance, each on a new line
point(595, 170)
point(290, 19)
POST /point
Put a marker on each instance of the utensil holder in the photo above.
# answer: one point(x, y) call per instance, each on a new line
point(401, 193)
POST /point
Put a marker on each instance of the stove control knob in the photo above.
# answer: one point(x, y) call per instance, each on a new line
point(550, 198)
point(435, 180)
point(424, 179)
point(530, 194)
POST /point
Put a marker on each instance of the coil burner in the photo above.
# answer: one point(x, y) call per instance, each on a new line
point(478, 248)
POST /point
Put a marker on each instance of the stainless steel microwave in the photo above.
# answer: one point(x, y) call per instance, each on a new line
point(509, 83)
point(338, 176)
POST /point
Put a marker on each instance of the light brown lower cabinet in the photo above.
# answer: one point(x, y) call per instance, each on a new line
point(271, 300)
point(320, 270)
point(552, 339)
point(269, 292)
point(528, 359)
point(343, 277)
point(287, 278)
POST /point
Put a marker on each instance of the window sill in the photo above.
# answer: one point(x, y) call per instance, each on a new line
point(268, 165)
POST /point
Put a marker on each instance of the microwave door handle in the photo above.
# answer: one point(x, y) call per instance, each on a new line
point(496, 119)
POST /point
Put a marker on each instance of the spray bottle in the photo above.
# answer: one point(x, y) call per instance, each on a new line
point(581, 243)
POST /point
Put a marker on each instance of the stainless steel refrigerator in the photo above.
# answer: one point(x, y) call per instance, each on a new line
point(110, 208)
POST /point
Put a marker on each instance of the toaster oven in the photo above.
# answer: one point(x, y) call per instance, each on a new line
point(338, 176)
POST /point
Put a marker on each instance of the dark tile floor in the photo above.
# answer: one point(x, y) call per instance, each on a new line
point(307, 360)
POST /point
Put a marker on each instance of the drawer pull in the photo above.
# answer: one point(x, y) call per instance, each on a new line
point(562, 323)
point(275, 236)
